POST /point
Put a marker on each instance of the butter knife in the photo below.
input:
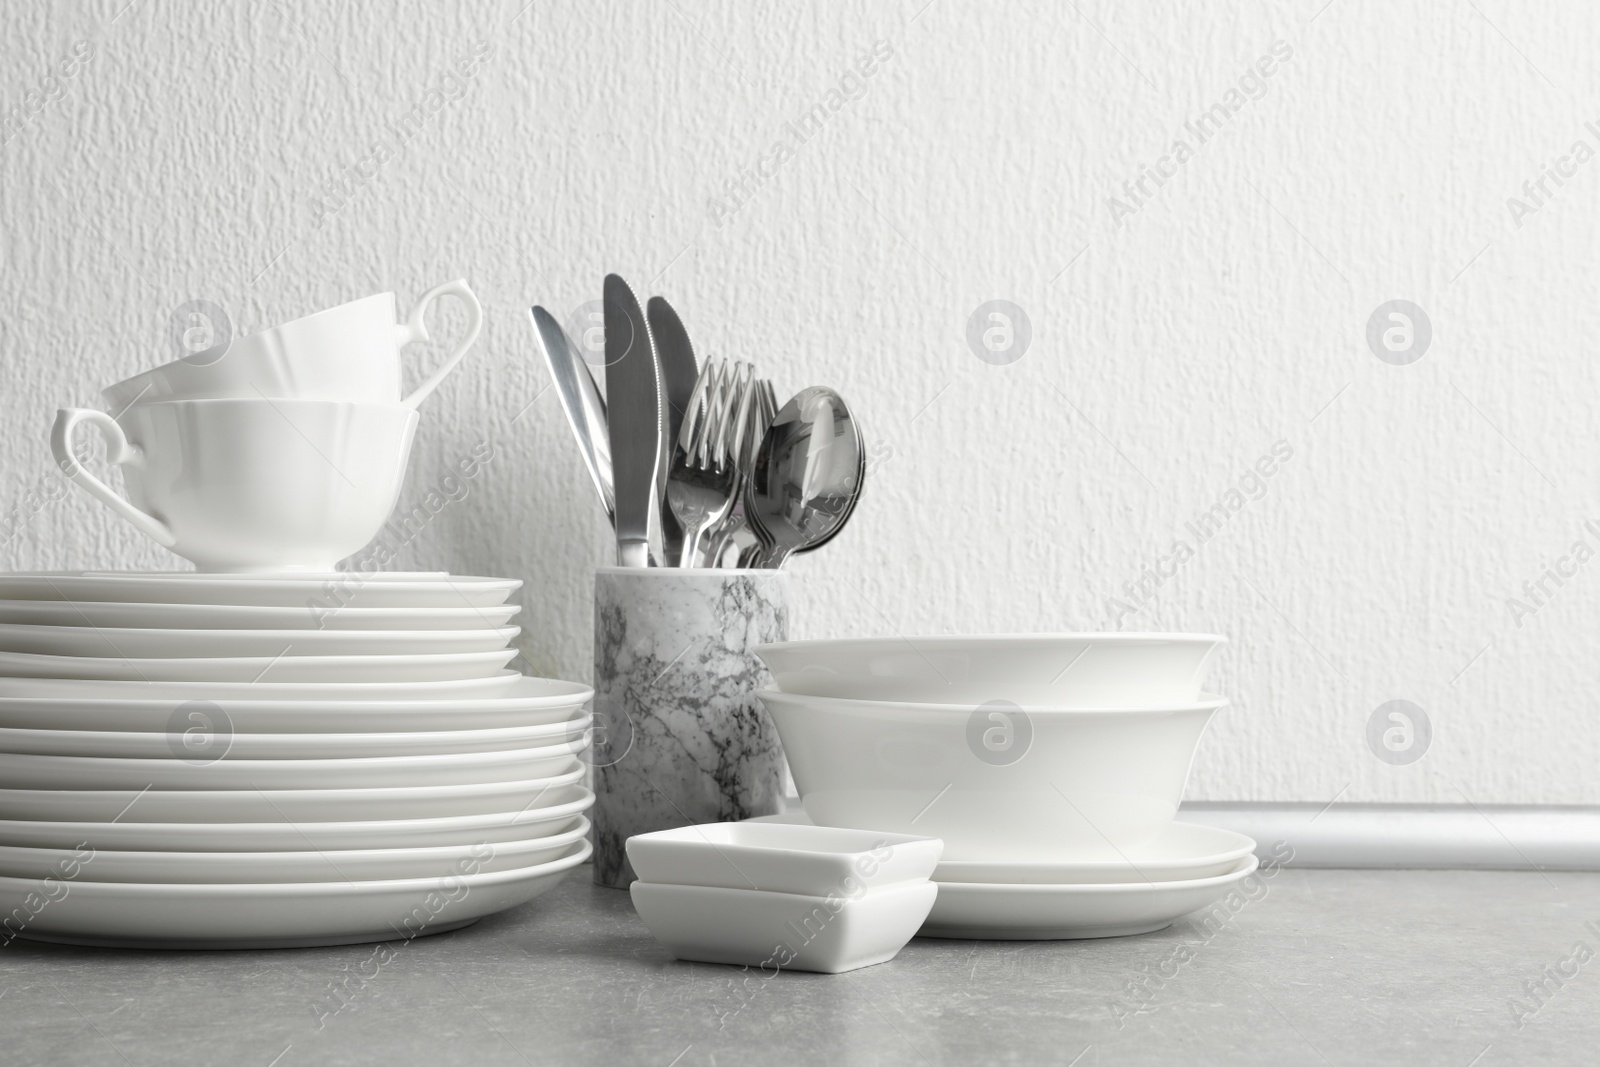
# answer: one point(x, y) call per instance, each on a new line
point(678, 376)
point(635, 416)
point(580, 399)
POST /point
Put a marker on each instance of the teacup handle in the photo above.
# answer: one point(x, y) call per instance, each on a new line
point(119, 450)
point(415, 329)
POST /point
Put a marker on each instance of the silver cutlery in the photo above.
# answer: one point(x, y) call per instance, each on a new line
point(679, 376)
point(807, 476)
point(762, 407)
point(634, 418)
point(703, 479)
point(581, 400)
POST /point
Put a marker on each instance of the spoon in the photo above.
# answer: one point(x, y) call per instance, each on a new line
point(807, 476)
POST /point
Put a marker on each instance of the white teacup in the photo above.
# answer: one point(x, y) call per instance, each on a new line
point(250, 485)
point(349, 353)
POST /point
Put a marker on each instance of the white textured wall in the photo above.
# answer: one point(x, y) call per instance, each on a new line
point(183, 158)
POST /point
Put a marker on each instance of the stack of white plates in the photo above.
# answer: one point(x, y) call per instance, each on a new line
point(223, 761)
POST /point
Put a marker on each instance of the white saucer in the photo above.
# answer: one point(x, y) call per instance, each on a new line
point(223, 806)
point(209, 769)
point(505, 699)
point(169, 744)
point(552, 812)
point(118, 642)
point(271, 915)
point(450, 666)
point(203, 868)
point(250, 616)
point(988, 911)
point(307, 592)
point(1183, 851)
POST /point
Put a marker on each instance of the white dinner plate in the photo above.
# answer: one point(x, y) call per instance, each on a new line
point(554, 811)
point(1183, 851)
point(280, 805)
point(118, 642)
point(208, 769)
point(273, 914)
point(354, 865)
point(187, 740)
point(124, 689)
point(449, 666)
point(991, 911)
point(516, 701)
point(325, 592)
point(250, 617)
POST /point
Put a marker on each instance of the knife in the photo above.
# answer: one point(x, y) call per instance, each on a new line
point(580, 399)
point(635, 417)
point(678, 376)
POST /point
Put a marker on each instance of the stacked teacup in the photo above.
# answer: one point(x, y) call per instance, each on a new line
point(269, 751)
point(1052, 766)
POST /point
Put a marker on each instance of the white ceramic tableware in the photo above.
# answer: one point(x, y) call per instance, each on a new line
point(998, 783)
point(515, 701)
point(251, 617)
point(193, 737)
point(272, 914)
point(111, 690)
point(810, 860)
point(249, 485)
point(122, 642)
point(210, 768)
point(324, 595)
point(1083, 670)
point(555, 811)
point(348, 353)
point(67, 804)
point(1184, 850)
point(788, 931)
point(989, 911)
point(103, 865)
point(250, 670)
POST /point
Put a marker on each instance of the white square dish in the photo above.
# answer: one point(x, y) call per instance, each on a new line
point(783, 931)
point(809, 860)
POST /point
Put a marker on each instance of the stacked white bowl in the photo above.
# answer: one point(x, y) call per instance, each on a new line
point(1052, 766)
point(191, 760)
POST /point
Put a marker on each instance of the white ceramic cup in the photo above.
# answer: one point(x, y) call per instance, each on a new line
point(349, 353)
point(249, 485)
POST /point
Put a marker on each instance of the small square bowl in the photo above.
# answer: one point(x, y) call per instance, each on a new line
point(818, 861)
point(784, 931)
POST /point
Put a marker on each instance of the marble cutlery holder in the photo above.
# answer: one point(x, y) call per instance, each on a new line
point(679, 736)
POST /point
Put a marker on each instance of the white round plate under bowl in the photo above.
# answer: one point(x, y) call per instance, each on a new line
point(273, 914)
point(323, 592)
point(287, 706)
point(250, 617)
point(989, 911)
point(279, 805)
point(515, 701)
point(555, 811)
point(450, 666)
point(202, 735)
point(214, 770)
point(203, 868)
point(118, 642)
point(1183, 851)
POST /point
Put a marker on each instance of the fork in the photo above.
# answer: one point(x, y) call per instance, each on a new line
point(761, 408)
point(703, 479)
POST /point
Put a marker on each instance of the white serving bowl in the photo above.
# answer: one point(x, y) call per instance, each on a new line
point(1088, 670)
point(1000, 783)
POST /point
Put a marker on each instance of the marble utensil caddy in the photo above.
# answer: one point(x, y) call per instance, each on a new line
point(679, 737)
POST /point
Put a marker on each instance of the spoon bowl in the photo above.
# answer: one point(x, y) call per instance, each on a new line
point(807, 476)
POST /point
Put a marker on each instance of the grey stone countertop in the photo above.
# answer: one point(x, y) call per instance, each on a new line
point(1338, 966)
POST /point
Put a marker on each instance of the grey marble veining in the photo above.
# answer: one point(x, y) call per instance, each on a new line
point(679, 736)
point(1342, 967)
